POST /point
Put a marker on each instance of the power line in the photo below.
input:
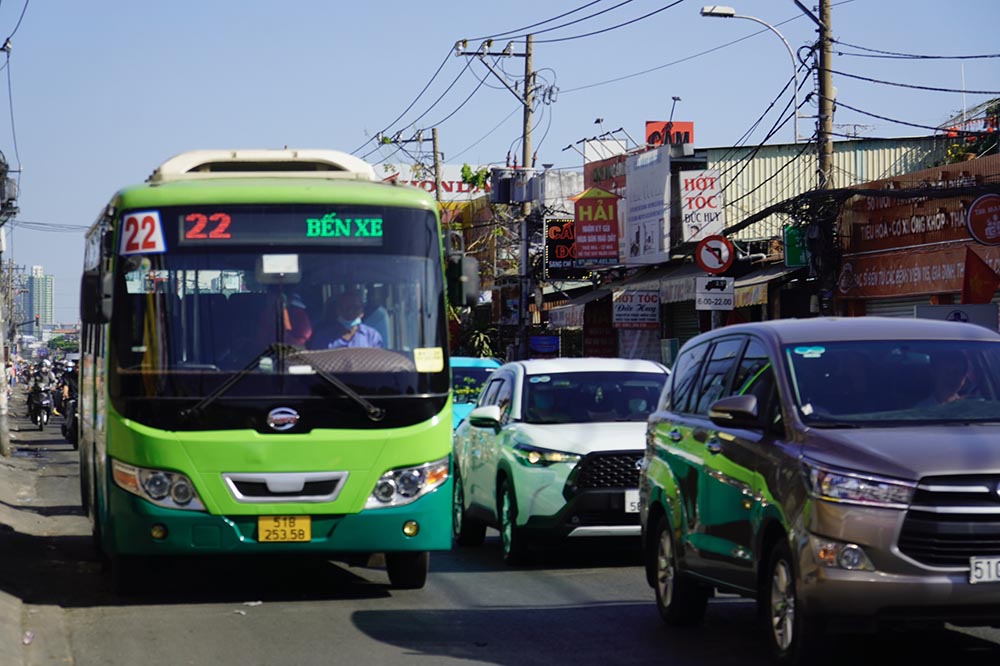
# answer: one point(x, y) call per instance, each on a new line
point(609, 29)
point(13, 131)
point(909, 56)
point(903, 122)
point(915, 87)
point(549, 20)
point(19, 19)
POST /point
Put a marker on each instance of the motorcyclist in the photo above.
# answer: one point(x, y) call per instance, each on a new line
point(43, 379)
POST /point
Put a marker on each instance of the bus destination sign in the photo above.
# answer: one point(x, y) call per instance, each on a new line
point(251, 227)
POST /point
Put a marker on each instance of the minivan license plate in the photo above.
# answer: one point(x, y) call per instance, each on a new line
point(984, 570)
point(632, 501)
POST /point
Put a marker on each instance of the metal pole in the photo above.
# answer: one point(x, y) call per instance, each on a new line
point(795, 67)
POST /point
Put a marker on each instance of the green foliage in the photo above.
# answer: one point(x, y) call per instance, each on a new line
point(477, 179)
point(63, 343)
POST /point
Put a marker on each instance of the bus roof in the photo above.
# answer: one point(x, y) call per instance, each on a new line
point(200, 164)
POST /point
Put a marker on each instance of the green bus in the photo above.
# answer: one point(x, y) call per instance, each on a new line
point(228, 405)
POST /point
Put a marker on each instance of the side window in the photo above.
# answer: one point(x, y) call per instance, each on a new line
point(716, 379)
point(754, 359)
point(762, 385)
point(489, 394)
point(684, 378)
point(504, 396)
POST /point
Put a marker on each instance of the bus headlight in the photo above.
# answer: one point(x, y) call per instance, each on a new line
point(171, 490)
point(406, 484)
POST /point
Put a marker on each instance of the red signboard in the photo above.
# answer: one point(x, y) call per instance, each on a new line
point(680, 131)
point(714, 254)
point(596, 225)
point(909, 272)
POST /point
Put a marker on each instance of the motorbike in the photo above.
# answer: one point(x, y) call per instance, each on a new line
point(70, 423)
point(40, 406)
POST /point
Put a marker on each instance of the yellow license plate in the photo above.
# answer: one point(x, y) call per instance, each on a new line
point(284, 528)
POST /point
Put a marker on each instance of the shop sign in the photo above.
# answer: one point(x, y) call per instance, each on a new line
point(908, 273)
point(636, 309)
point(596, 228)
point(702, 214)
point(647, 219)
point(983, 219)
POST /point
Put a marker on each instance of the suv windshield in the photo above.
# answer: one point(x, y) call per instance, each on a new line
point(875, 382)
point(591, 397)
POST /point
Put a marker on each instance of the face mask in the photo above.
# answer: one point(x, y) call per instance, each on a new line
point(349, 324)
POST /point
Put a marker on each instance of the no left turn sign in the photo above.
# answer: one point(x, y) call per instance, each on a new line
point(714, 254)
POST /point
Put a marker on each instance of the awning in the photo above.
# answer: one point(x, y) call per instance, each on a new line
point(678, 284)
point(571, 314)
point(751, 289)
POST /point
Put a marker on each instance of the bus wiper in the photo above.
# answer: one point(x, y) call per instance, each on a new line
point(373, 412)
point(275, 349)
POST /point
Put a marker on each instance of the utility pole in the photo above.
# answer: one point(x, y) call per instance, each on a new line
point(437, 164)
point(526, 164)
point(527, 101)
point(826, 100)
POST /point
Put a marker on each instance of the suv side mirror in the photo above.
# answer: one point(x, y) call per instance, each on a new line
point(487, 416)
point(736, 411)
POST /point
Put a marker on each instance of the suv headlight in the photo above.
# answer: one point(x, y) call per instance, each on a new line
point(854, 488)
point(533, 456)
point(406, 484)
point(172, 490)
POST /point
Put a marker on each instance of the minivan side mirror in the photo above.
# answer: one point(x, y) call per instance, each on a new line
point(736, 411)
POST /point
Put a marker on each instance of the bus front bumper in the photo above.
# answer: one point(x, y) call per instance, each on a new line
point(133, 522)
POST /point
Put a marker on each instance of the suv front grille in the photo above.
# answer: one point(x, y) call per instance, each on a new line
point(952, 519)
point(607, 470)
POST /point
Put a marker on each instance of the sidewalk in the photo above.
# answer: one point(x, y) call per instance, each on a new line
point(22, 512)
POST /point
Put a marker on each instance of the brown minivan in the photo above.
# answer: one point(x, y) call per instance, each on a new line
point(845, 472)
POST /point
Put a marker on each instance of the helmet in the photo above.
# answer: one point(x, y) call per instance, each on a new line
point(46, 363)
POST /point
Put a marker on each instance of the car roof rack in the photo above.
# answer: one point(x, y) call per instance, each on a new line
point(269, 163)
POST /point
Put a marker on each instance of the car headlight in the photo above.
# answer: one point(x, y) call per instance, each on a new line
point(406, 484)
point(854, 488)
point(534, 456)
point(172, 490)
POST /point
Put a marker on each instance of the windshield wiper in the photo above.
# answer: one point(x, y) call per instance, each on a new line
point(284, 352)
point(373, 412)
point(275, 349)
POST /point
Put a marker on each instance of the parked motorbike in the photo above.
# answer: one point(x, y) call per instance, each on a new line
point(40, 406)
point(70, 424)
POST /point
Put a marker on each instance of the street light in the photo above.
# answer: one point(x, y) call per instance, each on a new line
point(721, 11)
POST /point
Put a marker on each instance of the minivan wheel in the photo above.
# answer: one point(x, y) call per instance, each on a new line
point(512, 539)
point(793, 634)
point(466, 531)
point(680, 601)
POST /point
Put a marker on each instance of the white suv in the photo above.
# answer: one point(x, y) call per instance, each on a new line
point(553, 449)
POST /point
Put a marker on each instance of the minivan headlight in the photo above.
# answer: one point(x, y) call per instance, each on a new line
point(172, 490)
point(854, 488)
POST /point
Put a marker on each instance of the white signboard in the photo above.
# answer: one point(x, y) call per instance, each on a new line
point(701, 205)
point(647, 220)
point(984, 314)
point(714, 293)
point(452, 187)
point(635, 308)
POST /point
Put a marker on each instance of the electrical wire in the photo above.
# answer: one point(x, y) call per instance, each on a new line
point(903, 122)
point(609, 29)
point(915, 87)
point(19, 19)
point(485, 136)
point(535, 25)
point(909, 56)
point(411, 105)
point(13, 130)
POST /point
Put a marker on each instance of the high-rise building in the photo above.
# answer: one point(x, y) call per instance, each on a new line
point(41, 289)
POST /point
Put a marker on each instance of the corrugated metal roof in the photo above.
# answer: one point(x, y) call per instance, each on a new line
point(781, 171)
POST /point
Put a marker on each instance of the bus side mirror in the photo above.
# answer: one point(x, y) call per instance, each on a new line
point(462, 274)
point(95, 298)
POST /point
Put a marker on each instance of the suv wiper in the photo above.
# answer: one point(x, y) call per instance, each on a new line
point(373, 412)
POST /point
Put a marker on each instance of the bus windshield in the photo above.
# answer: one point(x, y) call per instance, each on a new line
point(282, 313)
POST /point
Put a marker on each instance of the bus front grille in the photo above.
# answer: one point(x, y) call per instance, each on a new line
point(270, 487)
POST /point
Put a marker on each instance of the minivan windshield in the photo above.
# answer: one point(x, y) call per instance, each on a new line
point(883, 382)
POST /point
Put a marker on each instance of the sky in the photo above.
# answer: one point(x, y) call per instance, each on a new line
point(99, 93)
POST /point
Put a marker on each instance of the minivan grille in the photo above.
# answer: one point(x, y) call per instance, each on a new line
point(608, 470)
point(952, 519)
